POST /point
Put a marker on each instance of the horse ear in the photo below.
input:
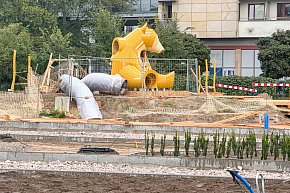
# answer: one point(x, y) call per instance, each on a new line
point(144, 27)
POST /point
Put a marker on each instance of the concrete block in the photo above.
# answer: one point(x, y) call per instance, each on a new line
point(185, 17)
point(184, 7)
point(62, 103)
point(3, 156)
point(214, 7)
point(230, 15)
point(229, 26)
point(200, 34)
point(214, 16)
point(230, 7)
point(198, 17)
point(198, 8)
point(230, 1)
point(162, 161)
point(230, 34)
point(25, 156)
point(199, 26)
point(214, 34)
point(113, 159)
point(197, 2)
point(214, 1)
point(184, 1)
point(214, 26)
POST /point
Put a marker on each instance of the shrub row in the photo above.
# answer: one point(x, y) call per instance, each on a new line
point(180, 84)
point(274, 145)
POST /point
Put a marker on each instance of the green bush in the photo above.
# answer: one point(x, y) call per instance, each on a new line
point(243, 82)
point(180, 84)
point(52, 113)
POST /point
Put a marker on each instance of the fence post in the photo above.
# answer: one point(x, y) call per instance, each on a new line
point(187, 75)
point(197, 74)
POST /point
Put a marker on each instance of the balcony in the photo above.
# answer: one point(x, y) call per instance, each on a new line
point(261, 28)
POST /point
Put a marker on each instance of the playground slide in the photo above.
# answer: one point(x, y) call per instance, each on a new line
point(129, 59)
point(86, 104)
point(104, 83)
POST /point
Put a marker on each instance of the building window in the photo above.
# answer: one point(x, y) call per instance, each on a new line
point(283, 11)
point(250, 63)
point(256, 11)
point(225, 62)
point(128, 29)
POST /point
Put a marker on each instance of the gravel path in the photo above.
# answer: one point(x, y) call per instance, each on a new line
point(108, 135)
point(85, 134)
point(129, 169)
point(13, 146)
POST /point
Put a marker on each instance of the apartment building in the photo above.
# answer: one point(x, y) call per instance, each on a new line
point(139, 9)
point(230, 28)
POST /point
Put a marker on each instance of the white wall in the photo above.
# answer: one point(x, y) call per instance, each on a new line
point(261, 28)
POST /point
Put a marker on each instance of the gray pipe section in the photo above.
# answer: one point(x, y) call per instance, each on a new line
point(86, 104)
point(104, 83)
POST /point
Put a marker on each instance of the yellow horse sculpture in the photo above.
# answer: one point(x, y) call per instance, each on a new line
point(129, 54)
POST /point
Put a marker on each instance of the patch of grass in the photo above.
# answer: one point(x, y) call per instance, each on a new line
point(226, 111)
point(168, 104)
point(52, 113)
point(130, 110)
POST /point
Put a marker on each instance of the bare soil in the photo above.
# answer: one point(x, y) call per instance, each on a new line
point(40, 182)
point(162, 109)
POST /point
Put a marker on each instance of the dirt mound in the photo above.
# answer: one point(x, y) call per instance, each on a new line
point(58, 183)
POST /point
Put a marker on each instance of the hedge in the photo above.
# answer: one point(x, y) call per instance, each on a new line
point(180, 84)
point(242, 81)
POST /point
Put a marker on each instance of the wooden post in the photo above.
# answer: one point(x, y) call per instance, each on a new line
point(206, 76)
point(13, 71)
point(46, 71)
point(28, 70)
point(199, 79)
point(214, 75)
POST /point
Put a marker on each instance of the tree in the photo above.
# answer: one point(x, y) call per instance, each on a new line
point(14, 36)
point(104, 28)
point(52, 42)
point(76, 15)
point(28, 14)
point(42, 27)
point(275, 54)
point(180, 45)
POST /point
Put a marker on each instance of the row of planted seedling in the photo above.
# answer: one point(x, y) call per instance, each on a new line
point(225, 145)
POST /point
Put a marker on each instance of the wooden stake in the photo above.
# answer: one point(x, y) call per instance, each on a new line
point(14, 71)
point(28, 70)
point(198, 80)
point(206, 77)
point(46, 71)
point(214, 75)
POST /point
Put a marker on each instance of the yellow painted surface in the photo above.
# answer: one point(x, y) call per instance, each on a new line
point(129, 57)
point(13, 71)
point(28, 69)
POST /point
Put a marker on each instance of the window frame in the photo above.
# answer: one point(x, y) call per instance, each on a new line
point(283, 14)
point(254, 13)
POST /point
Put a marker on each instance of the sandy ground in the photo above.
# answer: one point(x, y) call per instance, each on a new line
point(40, 182)
point(173, 109)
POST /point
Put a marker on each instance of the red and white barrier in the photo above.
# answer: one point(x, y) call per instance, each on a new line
point(236, 87)
point(270, 84)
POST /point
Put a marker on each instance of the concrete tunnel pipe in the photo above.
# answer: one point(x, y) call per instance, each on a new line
point(86, 104)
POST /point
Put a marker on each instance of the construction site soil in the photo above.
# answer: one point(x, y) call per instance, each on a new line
point(172, 109)
point(39, 182)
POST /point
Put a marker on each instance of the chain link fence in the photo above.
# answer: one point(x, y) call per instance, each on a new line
point(184, 79)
